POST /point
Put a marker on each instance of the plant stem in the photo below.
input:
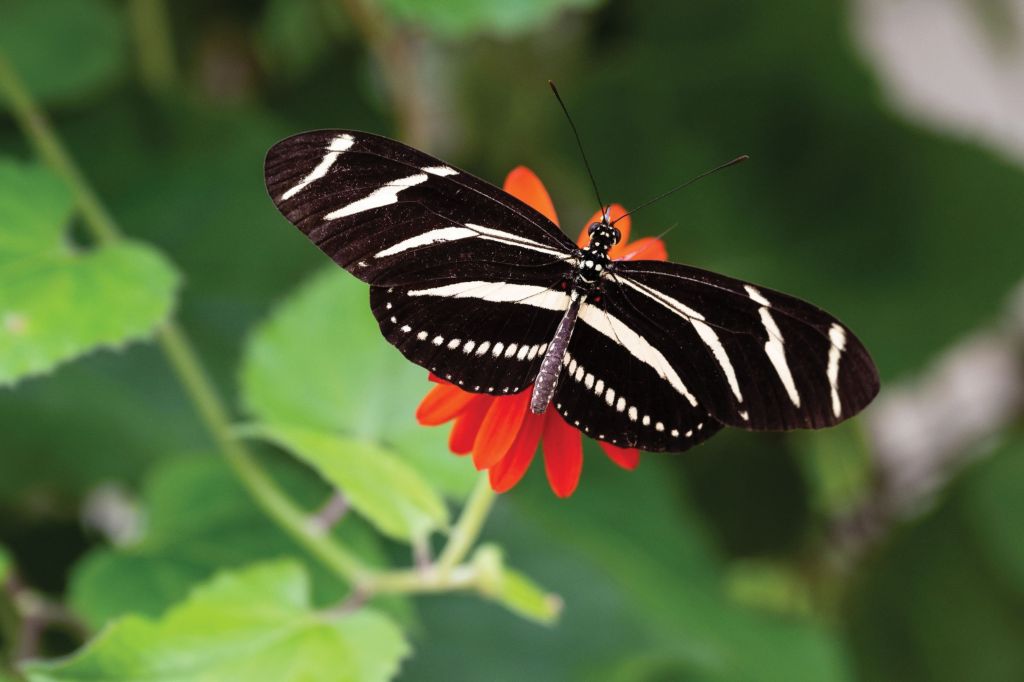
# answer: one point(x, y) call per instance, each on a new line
point(419, 582)
point(37, 129)
point(467, 528)
point(446, 575)
point(153, 43)
point(274, 501)
point(179, 351)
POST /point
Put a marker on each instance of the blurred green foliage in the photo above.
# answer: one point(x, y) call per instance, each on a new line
point(712, 566)
point(43, 281)
point(253, 624)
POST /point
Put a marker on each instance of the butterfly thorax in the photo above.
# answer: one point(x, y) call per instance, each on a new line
point(594, 261)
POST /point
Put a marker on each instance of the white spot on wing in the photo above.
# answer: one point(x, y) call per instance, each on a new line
point(775, 346)
point(440, 170)
point(382, 196)
point(756, 296)
point(438, 236)
point(335, 147)
point(704, 331)
point(837, 335)
point(501, 292)
point(634, 344)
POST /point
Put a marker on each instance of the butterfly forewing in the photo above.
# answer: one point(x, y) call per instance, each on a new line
point(755, 358)
point(380, 208)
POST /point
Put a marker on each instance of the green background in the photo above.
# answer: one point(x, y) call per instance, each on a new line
point(719, 564)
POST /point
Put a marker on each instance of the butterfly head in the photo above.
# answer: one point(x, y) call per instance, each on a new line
point(603, 236)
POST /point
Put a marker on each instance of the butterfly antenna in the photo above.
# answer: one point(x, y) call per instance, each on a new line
point(728, 164)
point(579, 143)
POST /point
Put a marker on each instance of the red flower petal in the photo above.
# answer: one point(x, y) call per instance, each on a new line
point(615, 212)
point(443, 403)
point(506, 473)
point(499, 429)
point(645, 248)
point(563, 454)
point(627, 458)
point(463, 435)
point(523, 184)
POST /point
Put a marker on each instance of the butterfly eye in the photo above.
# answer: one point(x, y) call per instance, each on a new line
point(616, 235)
point(592, 228)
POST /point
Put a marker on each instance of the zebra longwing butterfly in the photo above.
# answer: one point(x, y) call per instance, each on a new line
point(481, 289)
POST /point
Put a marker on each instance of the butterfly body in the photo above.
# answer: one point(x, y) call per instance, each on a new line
point(484, 291)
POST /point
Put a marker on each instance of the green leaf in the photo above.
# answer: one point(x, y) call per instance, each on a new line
point(380, 486)
point(63, 49)
point(467, 18)
point(512, 589)
point(254, 624)
point(320, 362)
point(57, 303)
point(200, 520)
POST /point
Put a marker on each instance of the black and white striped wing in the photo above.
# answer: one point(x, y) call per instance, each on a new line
point(389, 214)
point(484, 336)
point(618, 387)
point(466, 278)
point(752, 357)
point(665, 355)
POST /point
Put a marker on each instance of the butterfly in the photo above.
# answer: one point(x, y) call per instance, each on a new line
point(487, 293)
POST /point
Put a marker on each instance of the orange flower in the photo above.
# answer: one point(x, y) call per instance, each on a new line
point(501, 432)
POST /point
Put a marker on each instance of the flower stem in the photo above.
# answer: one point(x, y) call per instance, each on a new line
point(467, 528)
point(179, 351)
point(419, 582)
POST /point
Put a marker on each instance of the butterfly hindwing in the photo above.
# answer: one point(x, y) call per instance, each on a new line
point(483, 336)
point(755, 358)
point(616, 391)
